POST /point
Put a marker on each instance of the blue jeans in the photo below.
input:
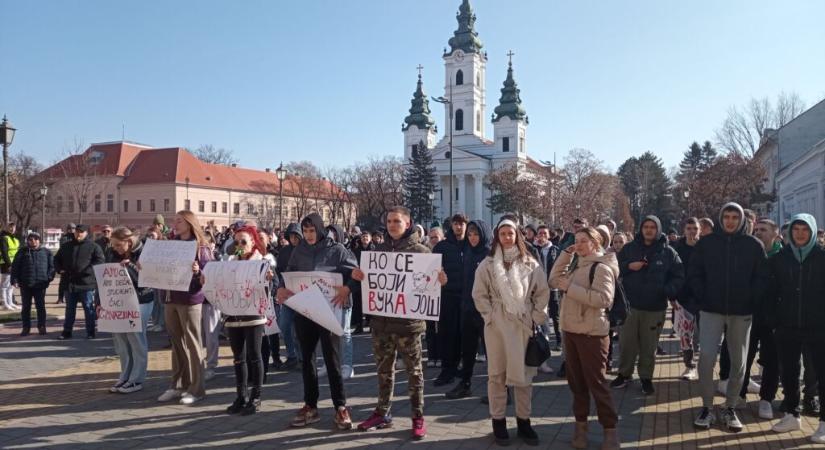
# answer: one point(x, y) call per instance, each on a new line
point(346, 339)
point(85, 298)
point(133, 349)
point(286, 321)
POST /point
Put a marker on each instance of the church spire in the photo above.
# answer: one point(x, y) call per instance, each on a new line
point(465, 37)
point(420, 108)
point(510, 101)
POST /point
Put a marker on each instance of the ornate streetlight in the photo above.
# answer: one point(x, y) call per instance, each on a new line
point(280, 172)
point(6, 138)
point(449, 103)
point(43, 191)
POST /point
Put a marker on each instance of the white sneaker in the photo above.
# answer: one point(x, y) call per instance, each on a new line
point(753, 387)
point(117, 386)
point(788, 423)
point(169, 395)
point(347, 372)
point(189, 399)
point(545, 367)
point(819, 436)
point(765, 410)
point(208, 374)
point(722, 387)
point(128, 388)
point(690, 374)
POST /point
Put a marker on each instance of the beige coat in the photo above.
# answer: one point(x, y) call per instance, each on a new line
point(513, 331)
point(583, 305)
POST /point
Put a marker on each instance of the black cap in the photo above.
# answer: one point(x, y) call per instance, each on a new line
point(33, 235)
point(81, 227)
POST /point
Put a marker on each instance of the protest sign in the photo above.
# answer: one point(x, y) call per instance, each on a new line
point(313, 304)
point(326, 283)
point(240, 288)
point(401, 285)
point(119, 308)
point(167, 264)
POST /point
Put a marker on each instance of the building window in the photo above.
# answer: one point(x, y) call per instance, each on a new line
point(84, 204)
point(125, 206)
point(187, 205)
point(414, 148)
point(505, 144)
point(59, 204)
point(294, 211)
point(459, 120)
point(250, 208)
point(110, 202)
point(214, 207)
point(152, 205)
point(201, 206)
point(70, 204)
point(166, 205)
point(478, 78)
point(224, 207)
point(139, 205)
point(456, 194)
point(459, 78)
point(521, 143)
point(236, 208)
point(97, 203)
point(478, 120)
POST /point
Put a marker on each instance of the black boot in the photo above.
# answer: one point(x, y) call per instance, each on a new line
point(25, 332)
point(500, 432)
point(461, 390)
point(561, 373)
point(254, 404)
point(236, 406)
point(525, 431)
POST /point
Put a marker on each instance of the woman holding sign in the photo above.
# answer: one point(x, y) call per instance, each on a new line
point(511, 294)
point(131, 348)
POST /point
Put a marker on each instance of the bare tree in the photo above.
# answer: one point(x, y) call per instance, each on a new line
point(337, 195)
point(514, 191)
point(211, 154)
point(376, 186)
point(81, 172)
point(306, 181)
point(587, 189)
point(744, 128)
point(24, 195)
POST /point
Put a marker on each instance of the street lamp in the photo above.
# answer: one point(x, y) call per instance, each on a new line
point(6, 138)
point(687, 197)
point(449, 103)
point(280, 172)
point(43, 191)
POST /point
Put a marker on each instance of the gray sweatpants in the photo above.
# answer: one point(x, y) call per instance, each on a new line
point(737, 329)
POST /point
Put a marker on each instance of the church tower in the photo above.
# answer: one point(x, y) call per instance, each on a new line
point(510, 119)
point(419, 126)
point(465, 67)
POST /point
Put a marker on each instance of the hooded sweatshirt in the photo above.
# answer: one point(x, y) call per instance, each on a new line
point(794, 298)
point(728, 271)
point(472, 258)
point(452, 260)
point(325, 255)
point(649, 288)
point(286, 252)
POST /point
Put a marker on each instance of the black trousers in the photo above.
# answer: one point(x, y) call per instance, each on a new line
point(431, 337)
point(309, 334)
point(357, 319)
point(762, 340)
point(553, 309)
point(38, 294)
point(449, 332)
point(472, 329)
point(62, 287)
point(790, 346)
point(246, 354)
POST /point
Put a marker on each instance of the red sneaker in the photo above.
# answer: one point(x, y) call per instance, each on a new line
point(419, 430)
point(376, 422)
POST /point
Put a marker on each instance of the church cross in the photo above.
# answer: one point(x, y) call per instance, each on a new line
point(510, 55)
point(420, 68)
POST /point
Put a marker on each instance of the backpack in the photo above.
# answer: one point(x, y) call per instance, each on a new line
point(617, 314)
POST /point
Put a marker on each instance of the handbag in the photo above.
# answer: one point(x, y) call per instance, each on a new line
point(538, 349)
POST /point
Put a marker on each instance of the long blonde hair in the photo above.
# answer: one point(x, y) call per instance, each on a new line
point(194, 225)
point(125, 234)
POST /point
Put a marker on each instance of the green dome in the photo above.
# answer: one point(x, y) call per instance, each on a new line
point(465, 37)
point(419, 110)
point(509, 105)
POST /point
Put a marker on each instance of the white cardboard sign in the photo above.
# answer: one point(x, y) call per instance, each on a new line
point(119, 308)
point(167, 264)
point(401, 285)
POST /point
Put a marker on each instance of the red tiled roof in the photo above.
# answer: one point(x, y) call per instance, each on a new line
point(113, 159)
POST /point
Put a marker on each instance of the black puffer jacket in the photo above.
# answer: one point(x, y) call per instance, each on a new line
point(75, 259)
point(452, 260)
point(409, 243)
point(325, 255)
point(472, 258)
point(728, 271)
point(33, 267)
point(144, 295)
point(661, 278)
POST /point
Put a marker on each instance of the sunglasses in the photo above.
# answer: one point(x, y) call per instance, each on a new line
point(243, 242)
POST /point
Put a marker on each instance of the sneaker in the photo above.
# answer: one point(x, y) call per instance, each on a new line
point(545, 367)
point(819, 435)
point(236, 406)
point(765, 410)
point(647, 386)
point(620, 382)
point(690, 374)
point(431, 364)
point(116, 386)
point(376, 422)
point(128, 388)
point(170, 395)
point(342, 418)
point(753, 387)
point(305, 416)
point(25, 332)
point(41, 330)
point(461, 390)
point(189, 399)
point(347, 372)
point(481, 358)
point(208, 374)
point(722, 388)
point(64, 336)
point(787, 424)
point(730, 420)
point(419, 430)
point(705, 419)
point(810, 407)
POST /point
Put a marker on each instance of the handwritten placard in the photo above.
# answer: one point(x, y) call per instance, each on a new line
point(401, 285)
point(326, 283)
point(119, 308)
point(312, 303)
point(240, 288)
point(167, 264)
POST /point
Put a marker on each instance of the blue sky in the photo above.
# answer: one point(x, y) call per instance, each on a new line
point(332, 80)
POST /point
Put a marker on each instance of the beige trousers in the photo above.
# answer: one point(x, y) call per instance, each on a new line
point(183, 322)
point(503, 337)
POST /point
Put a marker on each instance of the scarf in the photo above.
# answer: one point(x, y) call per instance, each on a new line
point(513, 283)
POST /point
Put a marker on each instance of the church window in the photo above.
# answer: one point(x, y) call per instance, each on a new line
point(478, 120)
point(414, 148)
point(505, 144)
point(478, 79)
point(521, 143)
point(459, 120)
point(456, 194)
point(459, 78)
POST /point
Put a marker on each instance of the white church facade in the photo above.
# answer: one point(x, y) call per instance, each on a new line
point(473, 155)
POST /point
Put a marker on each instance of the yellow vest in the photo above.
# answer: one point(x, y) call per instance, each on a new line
point(13, 244)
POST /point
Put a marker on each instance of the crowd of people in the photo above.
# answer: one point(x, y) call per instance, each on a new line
point(737, 286)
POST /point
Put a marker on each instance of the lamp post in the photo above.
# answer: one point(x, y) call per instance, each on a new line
point(449, 103)
point(6, 138)
point(280, 172)
point(43, 191)
point(687, 197)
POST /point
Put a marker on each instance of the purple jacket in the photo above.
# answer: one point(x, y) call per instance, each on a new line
point(194, 296)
